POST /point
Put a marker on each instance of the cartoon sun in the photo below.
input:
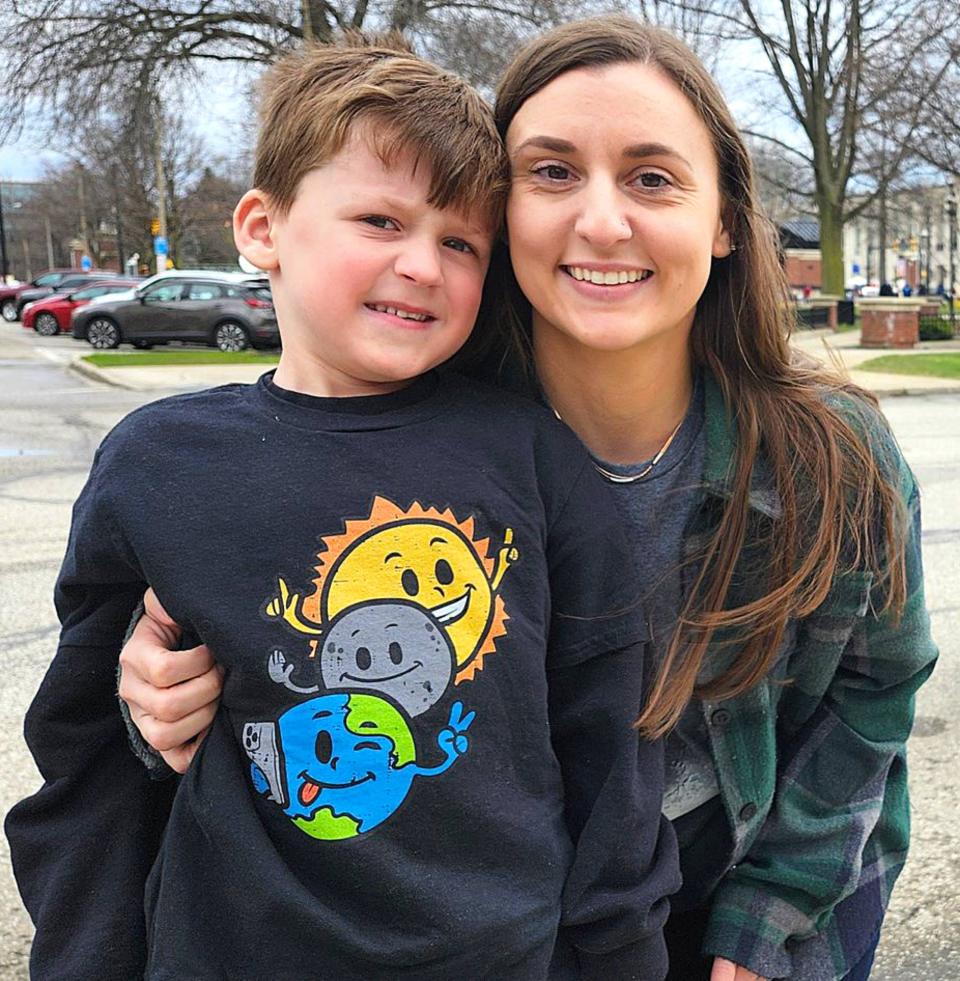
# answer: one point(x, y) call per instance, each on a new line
point(421, 555)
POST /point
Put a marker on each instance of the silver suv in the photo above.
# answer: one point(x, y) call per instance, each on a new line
point(224, 310)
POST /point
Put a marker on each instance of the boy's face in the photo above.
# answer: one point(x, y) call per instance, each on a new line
point(373, 286)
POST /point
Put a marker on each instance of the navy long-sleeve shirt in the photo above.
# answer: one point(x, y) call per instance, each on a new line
point(423, 765)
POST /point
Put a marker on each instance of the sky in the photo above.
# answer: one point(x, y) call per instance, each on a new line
point(218, 103)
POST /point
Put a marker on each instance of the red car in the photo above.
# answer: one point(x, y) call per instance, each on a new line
point(51, 315)
point(9, 308)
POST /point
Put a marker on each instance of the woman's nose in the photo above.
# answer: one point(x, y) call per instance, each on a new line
point(603, 220)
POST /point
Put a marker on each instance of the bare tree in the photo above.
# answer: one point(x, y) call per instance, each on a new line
point(849, 73)
point(76, 57)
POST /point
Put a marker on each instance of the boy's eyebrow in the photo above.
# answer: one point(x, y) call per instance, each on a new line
point(635, 151)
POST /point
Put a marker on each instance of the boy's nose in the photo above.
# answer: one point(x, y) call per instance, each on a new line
point(419, 263)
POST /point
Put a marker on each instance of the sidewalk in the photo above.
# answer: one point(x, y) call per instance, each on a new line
point(845, 348)
point(821, 344)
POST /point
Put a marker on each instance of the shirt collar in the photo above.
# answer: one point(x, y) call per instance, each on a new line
point(721, 440)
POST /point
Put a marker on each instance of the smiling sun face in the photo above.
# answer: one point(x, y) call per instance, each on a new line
point(421, 556)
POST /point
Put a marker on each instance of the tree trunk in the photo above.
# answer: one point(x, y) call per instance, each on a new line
point(831, 245)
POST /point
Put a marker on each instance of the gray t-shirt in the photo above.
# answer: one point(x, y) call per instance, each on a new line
point(658, 509)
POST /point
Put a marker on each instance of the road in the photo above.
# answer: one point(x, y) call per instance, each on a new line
point(51, 421)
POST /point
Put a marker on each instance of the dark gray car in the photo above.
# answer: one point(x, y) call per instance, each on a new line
point(230, 314)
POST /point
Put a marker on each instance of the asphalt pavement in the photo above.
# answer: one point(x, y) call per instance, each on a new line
point(52, 419)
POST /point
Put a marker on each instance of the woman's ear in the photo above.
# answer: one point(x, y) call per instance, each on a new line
point(254, 230)
point(722, 243)
point(722, 246)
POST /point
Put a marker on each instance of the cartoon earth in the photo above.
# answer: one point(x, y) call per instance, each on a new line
point(348, 761)
point(427, 562)
point(391, 647)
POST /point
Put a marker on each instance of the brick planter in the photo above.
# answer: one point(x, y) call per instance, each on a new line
point(890, 321)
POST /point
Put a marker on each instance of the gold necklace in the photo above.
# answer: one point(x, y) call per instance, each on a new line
point(632, 478)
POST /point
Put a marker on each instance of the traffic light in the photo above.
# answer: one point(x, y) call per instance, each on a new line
point(154, 226)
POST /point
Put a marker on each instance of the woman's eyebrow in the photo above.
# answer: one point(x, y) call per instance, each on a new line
point(635, 151)
point(638, 151)
point(547, 143)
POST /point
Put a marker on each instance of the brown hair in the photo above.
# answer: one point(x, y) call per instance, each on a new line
point(314, 99)
point(839, 510)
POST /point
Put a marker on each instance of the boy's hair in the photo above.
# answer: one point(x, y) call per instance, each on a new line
point(314, 100)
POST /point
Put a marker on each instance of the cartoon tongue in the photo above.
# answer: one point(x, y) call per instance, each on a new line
point(309, 791)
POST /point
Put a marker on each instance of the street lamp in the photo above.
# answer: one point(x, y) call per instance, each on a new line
point(951, 206)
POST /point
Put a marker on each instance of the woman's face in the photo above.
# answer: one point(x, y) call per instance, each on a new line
point(614, 210)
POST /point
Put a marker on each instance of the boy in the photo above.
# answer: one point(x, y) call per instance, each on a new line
point(424, 765)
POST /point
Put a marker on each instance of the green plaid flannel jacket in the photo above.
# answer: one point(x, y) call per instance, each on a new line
point(812, 772)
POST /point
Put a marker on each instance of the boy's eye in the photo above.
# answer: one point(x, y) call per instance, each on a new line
point(458, 245)
point(380, 221)
point(553, 172)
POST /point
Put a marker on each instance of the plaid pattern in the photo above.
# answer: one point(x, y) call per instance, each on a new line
point(813, 773)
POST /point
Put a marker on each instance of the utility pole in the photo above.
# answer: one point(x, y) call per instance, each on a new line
point(83, 213)
point(951, 205)
point(161, 197)
point(4, 263)
point(46, 224)
point(116, 211)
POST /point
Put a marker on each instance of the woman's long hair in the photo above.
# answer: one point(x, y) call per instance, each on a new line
point(838, 510)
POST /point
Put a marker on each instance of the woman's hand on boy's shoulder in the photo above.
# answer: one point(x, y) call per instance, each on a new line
point(172, 695)
point(724, 970)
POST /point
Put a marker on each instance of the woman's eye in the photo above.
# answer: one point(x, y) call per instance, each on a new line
point(652, 180)
point(380, 221)
point(553, 172)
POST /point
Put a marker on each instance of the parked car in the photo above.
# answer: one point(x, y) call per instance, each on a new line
point(51, 315)
point(228, 311)
point(66, 285)
point(10, 296)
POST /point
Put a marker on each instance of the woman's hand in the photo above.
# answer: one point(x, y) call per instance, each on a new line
point(172, 695)
point(724, 970)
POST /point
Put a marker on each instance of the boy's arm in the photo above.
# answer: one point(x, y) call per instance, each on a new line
point(83, 844)
point(625, 865)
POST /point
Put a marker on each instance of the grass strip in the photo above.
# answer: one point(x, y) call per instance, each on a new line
point(147, 359)
point(945, 365)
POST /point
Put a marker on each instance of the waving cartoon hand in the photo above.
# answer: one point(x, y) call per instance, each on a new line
point(453, 738)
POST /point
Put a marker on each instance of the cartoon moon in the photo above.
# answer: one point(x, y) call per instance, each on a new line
point(426, 562)
point(392, 647)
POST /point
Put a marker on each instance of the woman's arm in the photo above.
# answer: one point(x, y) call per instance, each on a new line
point(839, 814)
point(172, 695)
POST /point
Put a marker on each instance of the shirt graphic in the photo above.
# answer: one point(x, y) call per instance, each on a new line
point(404, 604)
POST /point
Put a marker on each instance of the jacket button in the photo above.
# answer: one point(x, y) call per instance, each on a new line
point(720, 718)
point(748, 811)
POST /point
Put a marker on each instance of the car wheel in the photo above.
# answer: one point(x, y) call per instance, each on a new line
point(46, 325)
point(103, 333)
point(231, 336)
point(9, 311)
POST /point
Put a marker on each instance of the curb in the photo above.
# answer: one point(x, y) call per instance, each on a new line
point(91, 371)
point(898, 392)
point(110, 376)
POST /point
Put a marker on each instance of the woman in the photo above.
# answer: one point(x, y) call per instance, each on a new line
point(646, 301)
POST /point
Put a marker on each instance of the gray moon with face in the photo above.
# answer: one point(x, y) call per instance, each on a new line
point(390, 647)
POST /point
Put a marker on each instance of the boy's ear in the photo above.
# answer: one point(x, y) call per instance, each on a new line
point(253, 229)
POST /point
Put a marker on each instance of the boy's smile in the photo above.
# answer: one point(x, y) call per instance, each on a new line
point(373, 285)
